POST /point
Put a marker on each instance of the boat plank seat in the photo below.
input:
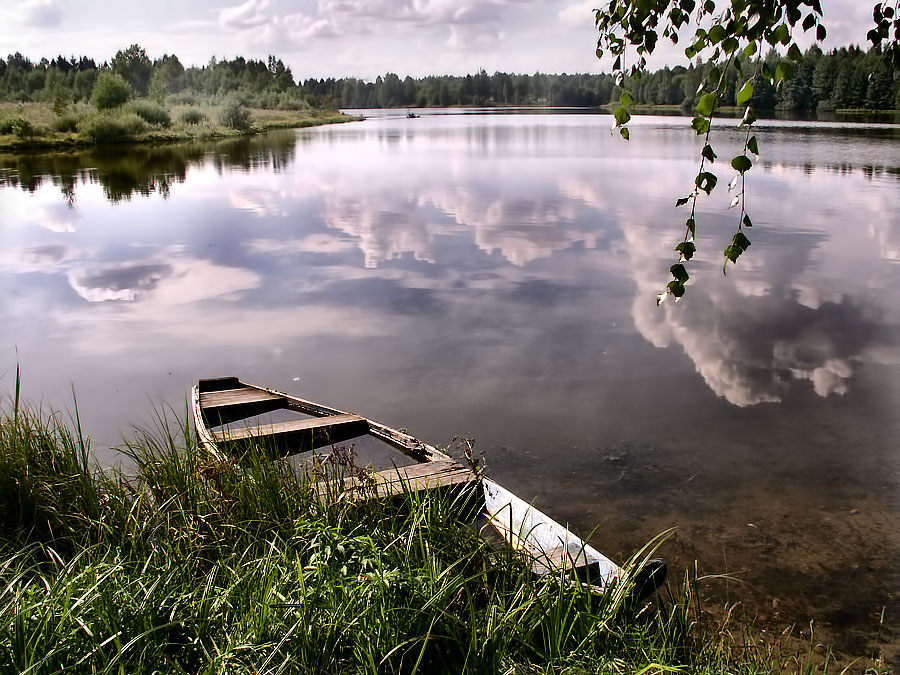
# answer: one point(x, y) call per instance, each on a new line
point(393, 482)
point(229, 405)
point(296, 436)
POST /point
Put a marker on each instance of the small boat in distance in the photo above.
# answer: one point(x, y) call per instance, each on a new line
point(549, 546)
point(411, 115)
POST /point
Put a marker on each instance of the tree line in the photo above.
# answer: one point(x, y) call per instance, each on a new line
point(843, 78)
point(261, 84)
point(848, 77)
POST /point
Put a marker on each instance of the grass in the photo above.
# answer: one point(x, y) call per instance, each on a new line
point(81, 125)
point(189, 566)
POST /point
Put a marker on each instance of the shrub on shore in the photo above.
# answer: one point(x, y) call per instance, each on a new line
point(151, 112)
point(18, 126)
point(67, 123)
point(234, 114)
point(192, 116)
point(110, 91)
point(104, 128)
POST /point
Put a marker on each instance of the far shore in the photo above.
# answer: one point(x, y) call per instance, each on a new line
point(50, 131)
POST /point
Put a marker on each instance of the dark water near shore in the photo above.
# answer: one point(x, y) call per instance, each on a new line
point(496, 275)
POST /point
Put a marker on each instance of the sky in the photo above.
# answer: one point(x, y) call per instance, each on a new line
point(350, 38)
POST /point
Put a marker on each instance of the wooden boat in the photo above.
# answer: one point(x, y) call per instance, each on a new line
point(547, 544)
point(411, 115)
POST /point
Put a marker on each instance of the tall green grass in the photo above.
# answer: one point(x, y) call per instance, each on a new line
point(193, 566)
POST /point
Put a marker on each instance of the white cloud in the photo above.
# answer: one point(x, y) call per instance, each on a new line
point(578, 14)
point(249, 15)
point(41, 13)
point(160, 282)
point(324, 244)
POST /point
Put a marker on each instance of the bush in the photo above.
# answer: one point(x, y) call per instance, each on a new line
point(106, 128)
point(19, 126)
point(65, 124)
point(235, 114)
point(152, 113)
point(192, 117)
point(186, 97)
point(110, 91)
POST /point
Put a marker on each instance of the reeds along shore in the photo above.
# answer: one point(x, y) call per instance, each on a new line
point(190, 567)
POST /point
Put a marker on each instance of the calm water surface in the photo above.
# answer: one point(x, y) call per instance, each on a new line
point(496, 275)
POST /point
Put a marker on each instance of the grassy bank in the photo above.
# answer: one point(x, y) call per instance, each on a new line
point(33, 126)
point(193, 567)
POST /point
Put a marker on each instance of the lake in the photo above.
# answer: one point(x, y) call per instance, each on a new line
point(496, 275)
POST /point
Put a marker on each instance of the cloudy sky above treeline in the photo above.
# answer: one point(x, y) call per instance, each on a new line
point(344, 38)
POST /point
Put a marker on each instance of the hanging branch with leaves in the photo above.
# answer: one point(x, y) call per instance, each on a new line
point(725, 38)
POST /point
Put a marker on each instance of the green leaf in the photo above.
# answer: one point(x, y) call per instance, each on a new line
point(679, 272)
point(794, 53)
point(707, 105)
point(784, 71)
point(752, 146)
point(782, 34)
point(809, 22)
point(681, 201)
point(700, 125)
point(622, 116)
point(626, 99)
point(676, 288)
point(740, 240)
point(717, 33)
point(708, 153)
point(625, 133)
point(747, 221)
point(732, 253)
point(713, 75)
point(821, 33)
point(749, 116)
point(746, 93)
point(692, 227)
point(706, 181)
point(741, 163)
point(750, 50)
point(730, 45)
point(599, 53)
point(686, 249)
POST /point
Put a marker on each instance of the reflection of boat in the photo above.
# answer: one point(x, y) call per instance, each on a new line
point(545, 543)
point(411, 115)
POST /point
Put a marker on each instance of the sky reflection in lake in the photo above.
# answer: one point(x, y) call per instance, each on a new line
point(495, 275)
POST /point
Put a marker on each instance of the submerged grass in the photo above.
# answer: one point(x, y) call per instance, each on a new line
point(189, 566)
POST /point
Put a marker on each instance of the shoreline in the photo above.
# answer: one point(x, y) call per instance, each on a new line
point(70, 141)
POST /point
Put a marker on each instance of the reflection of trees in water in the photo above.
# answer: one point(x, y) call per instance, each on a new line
point(273, 151)
point(124, 171)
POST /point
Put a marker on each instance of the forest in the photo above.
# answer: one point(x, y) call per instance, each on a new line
point(845, 78)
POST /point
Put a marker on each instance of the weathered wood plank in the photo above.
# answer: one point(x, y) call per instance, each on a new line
point(550, 545)
point(393, 482)
point(290, 438)
point(224, 406)
point(204, 435)
point(405, 443)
